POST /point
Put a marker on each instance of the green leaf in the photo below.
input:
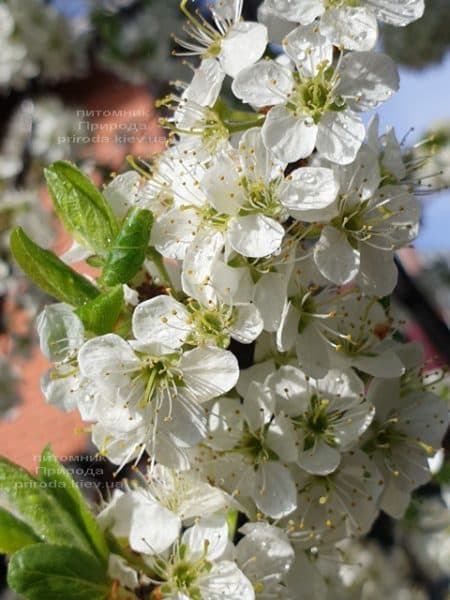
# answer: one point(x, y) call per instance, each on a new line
point(127, 253)
point(49, 272)
point(39, 507)
point(100, 315)
point(82, 209)
point(46, 572)
point(63, 488)
point(14, 533)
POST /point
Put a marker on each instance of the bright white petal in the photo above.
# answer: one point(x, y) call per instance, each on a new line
point(355, 27)
point(263, 84)
point(400, 12)
point(206, 84)
point(310, 193)
point(287, 136)
point(213, 530)
point(226, 580)
point(367, 79)
point(340, 136)
point(198, 266)
point(308, 49)
point(304, 11)
point(335, 258)
point(209, 372)
point(105, 356)
point(161, 319)
point(255, 236)
point(173, 232)
point(270, 296)
point(247, 324)
point(60, 331)
point(276, 494)
point(153, 527)
point(243, 45)
point(322, 459)
point(221, 185)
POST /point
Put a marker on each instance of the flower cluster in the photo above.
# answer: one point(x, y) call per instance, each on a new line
point(273, 233)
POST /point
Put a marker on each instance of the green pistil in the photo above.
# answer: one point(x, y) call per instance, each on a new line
point(385, 437)
point(317, 422)
point(210, 325)
point(157, 374)
point(254, 446)
point(314, 96)
point(214, 49)
point(261, 198)
point(182, 575)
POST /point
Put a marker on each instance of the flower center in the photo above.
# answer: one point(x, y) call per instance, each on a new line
point(253, 445)
point(158, 373)
point(211, 325)
point(182, 575)
point(317, 422)
point(313, 96)
point(261, 198)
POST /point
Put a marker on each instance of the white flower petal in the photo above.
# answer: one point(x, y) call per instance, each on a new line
point(107, 356)
point(206, 83)
point(310, 193)
point(174, 231)
point(312, 352)
point(153, 527)
point(199, 264)
point(383, 365)
point(221, 185)
point(367, 79)
point(263, 84)
point(270, 297)
point(304, 11)
point(247, 324)
point(60, 331)
point(400, 12)
point(209, 372)
point(322, 459)
point(255, 236)
point(226, 580)
point(161, 319)
point(339, 136)
point(377, 272)
point(287, 136)
point(308, 49)
point(355, 27)
point(276, 494)
point(335, 258)
point(214, 531)
point(243, 45)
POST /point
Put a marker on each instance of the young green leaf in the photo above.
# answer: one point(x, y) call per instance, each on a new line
point(63, 488)
point(80, 206)
point(46, 572)
point(49, 272)
point(100, 315)
point(15, 533)
point(127, 252)
point(40, 508)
